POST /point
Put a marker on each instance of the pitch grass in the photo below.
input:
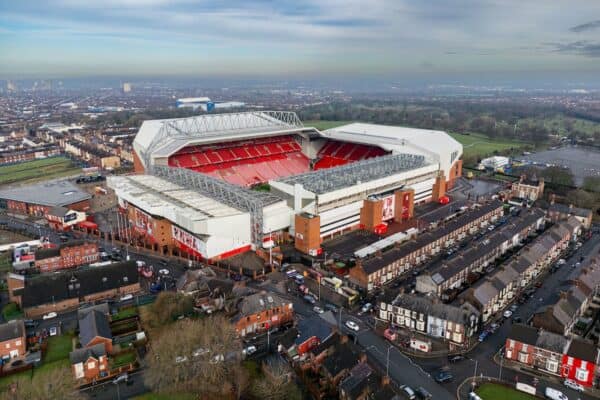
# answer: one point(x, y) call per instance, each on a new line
point(36, 170)
point(492, 391)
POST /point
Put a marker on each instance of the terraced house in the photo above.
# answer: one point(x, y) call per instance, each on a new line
point(376, 270)
point(451, 274)
point(495, 292)
point(428, 316)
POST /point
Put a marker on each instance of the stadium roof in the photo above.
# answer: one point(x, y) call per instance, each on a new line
point(155, 192)
point(328, 180)
point(161, 138)
point(58, 193)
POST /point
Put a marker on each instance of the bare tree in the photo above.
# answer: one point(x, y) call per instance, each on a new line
point(200, 356)
point(276, 384)
point(167, 307)
point(57, 383)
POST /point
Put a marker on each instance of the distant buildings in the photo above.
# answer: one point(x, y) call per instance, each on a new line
point(126, 87)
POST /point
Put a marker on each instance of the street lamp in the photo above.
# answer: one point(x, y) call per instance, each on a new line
point(387, 363)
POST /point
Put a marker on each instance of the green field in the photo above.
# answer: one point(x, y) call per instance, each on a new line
point(557, 124)
point(492, 391)
point(479, 145)
point(31, 171)
point(59, 348)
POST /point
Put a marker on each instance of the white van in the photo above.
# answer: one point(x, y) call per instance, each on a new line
point(554, 394)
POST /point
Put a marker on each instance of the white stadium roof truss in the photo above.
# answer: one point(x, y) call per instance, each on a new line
point(234, 196)
point(215, 125)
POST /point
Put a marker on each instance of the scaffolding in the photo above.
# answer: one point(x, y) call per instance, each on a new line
point(234, 196)
point(328, 180)
point(215, 125)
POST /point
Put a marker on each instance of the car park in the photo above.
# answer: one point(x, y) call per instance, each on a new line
point(352, 325)
point(408, 391)
point(571, 384)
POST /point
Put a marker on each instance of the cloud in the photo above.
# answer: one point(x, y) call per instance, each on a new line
point(581, 47)
point(586, 27)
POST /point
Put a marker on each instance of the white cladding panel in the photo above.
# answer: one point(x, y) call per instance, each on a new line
point(277, 217)
point(336, 214)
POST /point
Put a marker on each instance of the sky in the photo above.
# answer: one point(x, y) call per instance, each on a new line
point(245, 38)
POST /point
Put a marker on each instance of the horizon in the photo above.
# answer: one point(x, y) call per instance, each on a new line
point(462, 41)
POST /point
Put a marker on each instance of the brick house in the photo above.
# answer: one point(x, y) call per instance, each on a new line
point(64, 291)
point(376, 270)
point(568, 358)
point(260, 312)
point(89, 363)
point(528, 189)
point(94, 329)
point(431, 317)
point(12, 339)
point(68, 255)
point(559, 212)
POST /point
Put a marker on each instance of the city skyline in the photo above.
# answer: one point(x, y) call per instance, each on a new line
point(66, 38)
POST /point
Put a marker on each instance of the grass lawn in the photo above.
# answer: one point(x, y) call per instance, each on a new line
point(492, 391)
point(59, 348)
point(11, 311)
point(480, 145)
point(156, 396)
point(43, 369)
point(125, 313)
point(5, 264)
point(31, 171)
point(559, 122)
point(123, 359)
point(323, 125)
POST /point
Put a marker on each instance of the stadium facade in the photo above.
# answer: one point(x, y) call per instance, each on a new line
point(196, 181)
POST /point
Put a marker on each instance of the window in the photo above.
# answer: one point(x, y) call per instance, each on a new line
point(552, 365)
point(91, 365)
point(523, 357)
point(18, 342)
point(581, 374)
point(7, 345)
point(524, 348)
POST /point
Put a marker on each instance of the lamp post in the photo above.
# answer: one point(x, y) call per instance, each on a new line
point(387, 363)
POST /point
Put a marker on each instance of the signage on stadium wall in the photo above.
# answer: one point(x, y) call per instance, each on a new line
point(388, 207)
point(405, 203)
point(143, 221)
point(189, 241)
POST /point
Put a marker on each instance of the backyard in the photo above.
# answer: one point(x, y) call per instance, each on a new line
point(122, 359)
point(492, 391)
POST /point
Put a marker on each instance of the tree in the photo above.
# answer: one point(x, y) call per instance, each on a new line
point(559, 176)
point(199, 356)
point(57, 383)
point(275, 384)
point(591, 183)
point(167, 307)
point(581, 198)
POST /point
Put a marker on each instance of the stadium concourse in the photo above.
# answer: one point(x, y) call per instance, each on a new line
point(193, 191)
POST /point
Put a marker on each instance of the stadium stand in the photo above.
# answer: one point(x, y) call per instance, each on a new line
point(335, 153)
point(245, 163)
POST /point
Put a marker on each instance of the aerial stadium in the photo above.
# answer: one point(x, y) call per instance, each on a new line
point(196, 181)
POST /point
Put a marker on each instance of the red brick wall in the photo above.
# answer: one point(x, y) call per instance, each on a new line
point(274, 316)
point(13, 344)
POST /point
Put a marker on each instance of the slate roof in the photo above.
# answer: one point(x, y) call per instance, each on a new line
point(93, 324)
point(259, 302)
point(312, 326)
point(44, 289)
point(343, 357)
point(58, 193)
point(12, 330)
point(81, 355)
point(583, 350)
point(524, 334)
point(425, 305)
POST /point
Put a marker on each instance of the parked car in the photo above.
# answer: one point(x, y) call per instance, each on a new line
point(248, 351)
point(352, 325)
point(423, 394)
point(50, 315)
point(517, 319)
point(331, 307)
point(507, 314)
point(571, 384)
point(443, 376)
point(318, 310)
point(309, 299)
point(554, 394)
point(366, 308)
point(483, 336)
point(180, 359)
point(126, 297)
point(455, 358)
point(408, 391)
point(121, 378)
point(514, 307)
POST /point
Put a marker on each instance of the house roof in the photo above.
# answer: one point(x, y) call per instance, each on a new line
point(344, 357)
point(427, 306)
point(583, 350)
point(12, 329)
point(44, 289)
point(358, 380)
point(59, 193)
point(313, 326)
point(259, 302)
point(552, 341)
point(93, 324)
point(524, 334)
point(565, 209)
point(81, 355)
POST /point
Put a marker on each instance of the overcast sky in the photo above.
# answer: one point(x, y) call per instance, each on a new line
point(64, 38)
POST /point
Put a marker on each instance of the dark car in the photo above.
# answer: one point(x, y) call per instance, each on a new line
point(423, 394)
point(455, 358)
point(443, 376)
